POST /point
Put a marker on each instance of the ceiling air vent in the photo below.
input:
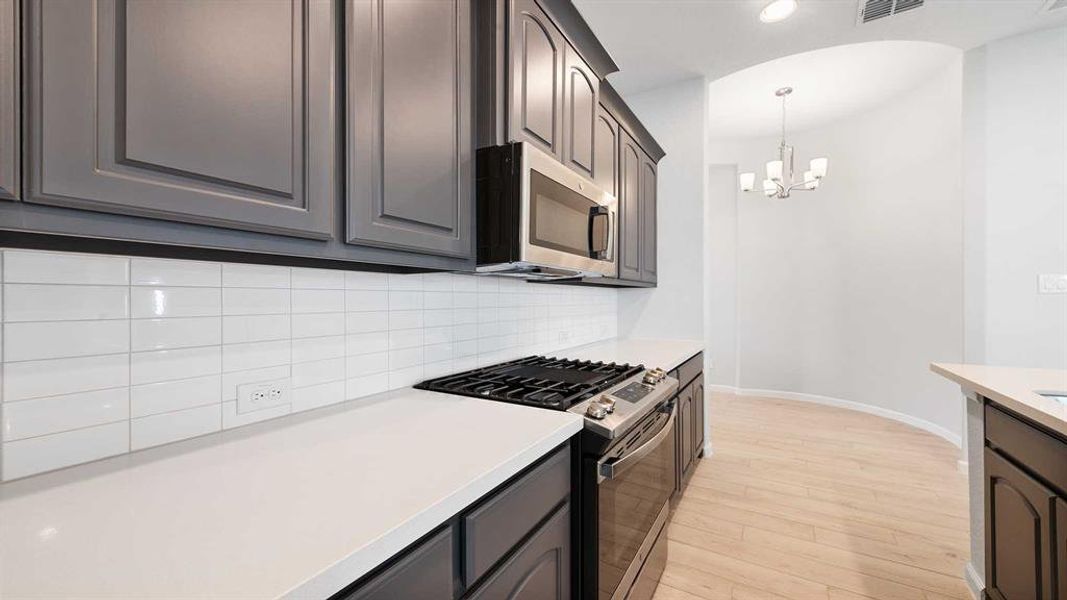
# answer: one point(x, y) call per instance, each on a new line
point(871, 10)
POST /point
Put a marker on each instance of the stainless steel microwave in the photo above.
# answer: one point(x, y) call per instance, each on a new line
point(537, 219)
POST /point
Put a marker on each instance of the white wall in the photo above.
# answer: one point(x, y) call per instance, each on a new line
point(1015, 136)
point(849, 292)
point(675, 116)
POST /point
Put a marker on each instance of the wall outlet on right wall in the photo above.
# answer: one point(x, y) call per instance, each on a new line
point(1050, 283)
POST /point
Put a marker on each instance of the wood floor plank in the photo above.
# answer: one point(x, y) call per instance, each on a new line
point(804, 501)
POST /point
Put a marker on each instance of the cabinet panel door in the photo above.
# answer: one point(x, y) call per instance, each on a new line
point(685, 426)
point(204, 111)
point(648, 219)
point(409, 139)
point(1018, 526)
point(581, 92)
point(606, 153)
point(424, 572)
point(10, 145)
point(539, 570)
point(1060, 549)
point(698, 416)
point(536, 85)
point(629, 208)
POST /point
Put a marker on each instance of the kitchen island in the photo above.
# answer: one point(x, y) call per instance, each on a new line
point(1017, 453)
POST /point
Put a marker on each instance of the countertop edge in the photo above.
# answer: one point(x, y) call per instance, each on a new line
point(1021, 407)
point(337, 576)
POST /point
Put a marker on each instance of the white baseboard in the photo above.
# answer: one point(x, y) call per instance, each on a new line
point(974, 581)
point(923, 424)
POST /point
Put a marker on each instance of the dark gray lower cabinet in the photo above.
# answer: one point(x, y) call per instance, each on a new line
point(689, 425)
point(1059, 541)
point(425, 572)
point(410, 168)
point(514, 543)
point(209, 112)
point(539, 570)
point(9, 100)
point(698, 415)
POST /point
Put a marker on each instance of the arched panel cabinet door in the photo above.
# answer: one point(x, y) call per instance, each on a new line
point(539, 570)
point(606, 153)
point(10, 146)
point(580, 102)
point(649, 271)
point(410, 172)
point(213, 112)
point(1018, 529)
point(630, 241)
point(536, 78)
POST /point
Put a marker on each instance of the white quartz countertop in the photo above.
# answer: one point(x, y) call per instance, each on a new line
point(666, 354)
point(299, 506)
point(295, 507)
point(1015, 389)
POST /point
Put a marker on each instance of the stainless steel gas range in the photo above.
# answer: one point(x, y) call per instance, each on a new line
point(625, 457)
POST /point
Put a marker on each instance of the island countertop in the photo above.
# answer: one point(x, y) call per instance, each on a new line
point(1016, 389)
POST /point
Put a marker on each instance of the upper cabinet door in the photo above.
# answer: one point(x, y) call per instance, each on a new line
point(648, 219)
point(606, 153)
point(206, 111)
point(410, 177)
point(9, 100)
point(580, 103)
point(630, 158)
point(536, 85)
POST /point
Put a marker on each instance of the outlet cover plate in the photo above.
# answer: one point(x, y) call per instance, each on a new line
point(263, 394)
point(1049, 283)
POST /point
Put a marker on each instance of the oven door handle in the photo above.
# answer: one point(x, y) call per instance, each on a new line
point(612, 468)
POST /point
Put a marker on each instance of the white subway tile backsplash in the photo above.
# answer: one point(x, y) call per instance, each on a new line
point(256, 355)
point(159, 272)
point(31, 302)
point(64, 339)
point(318, 301)
point(43, 416)
point(48, 452)
point(168, 365)
point(162, 345)
point(64, 268)
point(156, 302)
point(169, 396)
point(254, 276)
point(156, 430)
point(253, 301)
point(255, 328)
point(37, 378)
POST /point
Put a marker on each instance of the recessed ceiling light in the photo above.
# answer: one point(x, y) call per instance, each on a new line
point(779, 10)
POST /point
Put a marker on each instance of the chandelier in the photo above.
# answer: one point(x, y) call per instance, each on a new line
point(781, 178)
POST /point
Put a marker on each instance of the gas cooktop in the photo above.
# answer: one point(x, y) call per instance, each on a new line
point(547, 382)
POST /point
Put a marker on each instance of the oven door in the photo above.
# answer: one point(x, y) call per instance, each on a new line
point(636, 479)
point(567, 221)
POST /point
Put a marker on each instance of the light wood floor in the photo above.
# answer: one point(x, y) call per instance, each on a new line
point(802, 501)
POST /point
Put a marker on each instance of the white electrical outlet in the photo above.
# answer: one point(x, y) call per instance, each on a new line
point(262, 394)
point(1051, 284)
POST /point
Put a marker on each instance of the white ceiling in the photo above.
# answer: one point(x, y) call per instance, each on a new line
point(828, 84)
point(661, 41)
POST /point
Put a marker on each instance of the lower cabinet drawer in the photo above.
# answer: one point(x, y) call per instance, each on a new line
point(689, 370)
point(497, 525)
point(539, 570)
point(1043, 454)
point(424, 571)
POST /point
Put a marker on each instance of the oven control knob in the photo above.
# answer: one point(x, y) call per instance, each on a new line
point(608, 404)
point(596, 410)
point(650, 379)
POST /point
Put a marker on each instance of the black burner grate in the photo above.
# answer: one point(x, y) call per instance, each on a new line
point(555, 383)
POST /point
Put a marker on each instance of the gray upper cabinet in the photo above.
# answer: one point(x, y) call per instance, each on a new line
point(606, 152)
point(579, 113)
point(536, 85)
point(410, 178)
point(208, 111)
point(648, 219)
point(9, 100)
point(630, 159)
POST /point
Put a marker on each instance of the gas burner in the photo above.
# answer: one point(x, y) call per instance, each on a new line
point(547, 382)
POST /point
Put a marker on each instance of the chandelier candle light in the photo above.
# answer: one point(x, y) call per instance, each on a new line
point(781, 179)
